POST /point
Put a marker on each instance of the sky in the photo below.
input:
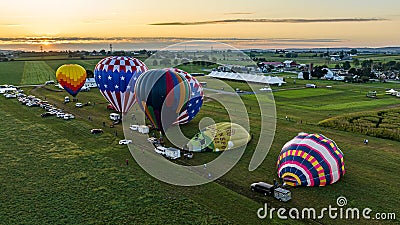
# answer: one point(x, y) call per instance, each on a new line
point(246, 24)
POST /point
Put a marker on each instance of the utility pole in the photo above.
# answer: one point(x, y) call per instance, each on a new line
point(111, 49)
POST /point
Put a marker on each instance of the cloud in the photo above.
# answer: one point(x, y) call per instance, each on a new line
point(227, 21)
point(71, 40)
point(239, 13)
point(10, 25)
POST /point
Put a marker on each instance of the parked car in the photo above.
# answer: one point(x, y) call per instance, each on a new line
point(69, 116)
point(110, 107)
point(263, 188)
point(96, 131)
point(266, 89)
point(115, 116)
point(79, 105)
point(46, 114)
point(66, 99)
point(85, 89)
point(49, 82)
point(10, 96)
point(60, 115)
point(125, 142)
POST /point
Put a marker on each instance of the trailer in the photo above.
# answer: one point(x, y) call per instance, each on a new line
point(171, 153)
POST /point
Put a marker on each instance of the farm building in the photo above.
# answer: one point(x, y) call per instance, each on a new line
point(274, 64)
point(290, 64)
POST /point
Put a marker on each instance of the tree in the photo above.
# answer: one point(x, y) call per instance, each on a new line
point(367, 63)
point(89, 74)
point(337, 66)
point(353, 71)
point(353, 51)
point(176, 62)
point(319, 72)
point(356, 62)
point(346, 65)
point(155, 63)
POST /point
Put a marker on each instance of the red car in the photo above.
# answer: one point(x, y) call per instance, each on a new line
point(111, 107)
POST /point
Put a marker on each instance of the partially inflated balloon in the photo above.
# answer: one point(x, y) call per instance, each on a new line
point(71, 77)
point(162, 94)
point(116, 77)
point(219, 137)
point(196, 99)
point(310, 160)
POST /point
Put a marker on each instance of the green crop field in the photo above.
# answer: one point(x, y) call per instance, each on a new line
point(384, 123)
point(11, 72)
point(57, 172)
point(37, 72)
point(87, 64)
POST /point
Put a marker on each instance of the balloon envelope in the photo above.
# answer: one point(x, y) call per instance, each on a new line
point(71, 77)
point(162, 94)
point(113, 76)
point(219, 137)
point(310, 160)
point(196, 99)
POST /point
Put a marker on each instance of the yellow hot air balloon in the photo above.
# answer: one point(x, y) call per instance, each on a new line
point(72, 77)
point(219, 137)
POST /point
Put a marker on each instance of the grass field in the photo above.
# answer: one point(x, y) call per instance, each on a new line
point(37, 72)
point(11, 72)
point(57, 172)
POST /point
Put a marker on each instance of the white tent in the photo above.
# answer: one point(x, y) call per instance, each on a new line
point(247, 77)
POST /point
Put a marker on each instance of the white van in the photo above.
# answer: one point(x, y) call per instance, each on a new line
point(66, 99)
point(115, 116)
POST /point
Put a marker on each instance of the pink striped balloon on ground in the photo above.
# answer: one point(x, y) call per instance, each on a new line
point(113, 75)
point(310, 160)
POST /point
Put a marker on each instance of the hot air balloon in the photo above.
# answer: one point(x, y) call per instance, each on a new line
point(310, 160)
point(219, 137)
point(115, 77)
point(196, 99)
point(71, 77)
point(162, 94)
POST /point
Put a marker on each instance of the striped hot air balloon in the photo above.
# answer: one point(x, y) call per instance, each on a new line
point(196, 99)
point(162, 94)
point(310, 160)
point(71, 77)
point(116, 77)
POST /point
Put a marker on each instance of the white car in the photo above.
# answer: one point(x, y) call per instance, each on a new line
point(60, 115)
point(79, 105)
point(134, 127)
point(69, 116)
point(10, 96)
point(125, 142)
point(265, 89)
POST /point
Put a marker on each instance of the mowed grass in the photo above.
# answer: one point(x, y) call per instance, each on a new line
point(37, 72)
point(56, 172)
point(371, 179)
point(11, 72)
point(309, 92)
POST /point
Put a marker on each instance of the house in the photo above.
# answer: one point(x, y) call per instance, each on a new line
point(90, 82)
point(290, 64)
